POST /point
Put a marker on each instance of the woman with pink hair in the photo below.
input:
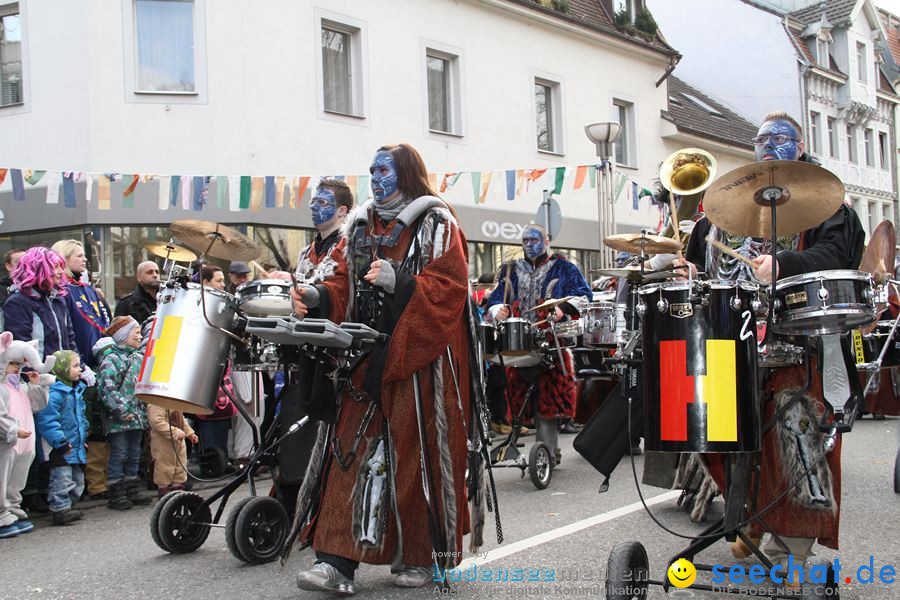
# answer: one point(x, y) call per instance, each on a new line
point(36, 309)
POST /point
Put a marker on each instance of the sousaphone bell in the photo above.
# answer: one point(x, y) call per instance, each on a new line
point(687, 172)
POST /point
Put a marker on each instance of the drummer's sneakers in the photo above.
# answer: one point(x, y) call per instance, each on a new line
point(500, 428)
point(323, 577)
point(740, 550)
point(413, 577)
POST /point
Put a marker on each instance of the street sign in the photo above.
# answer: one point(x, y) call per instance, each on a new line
point(549, 215)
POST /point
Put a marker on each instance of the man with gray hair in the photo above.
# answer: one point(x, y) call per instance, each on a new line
point(141, 302)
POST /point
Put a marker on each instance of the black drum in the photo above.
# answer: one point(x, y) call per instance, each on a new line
point(868, 347)
point(824, 302)
point(699, 375)
point(589, 363)
point(489, 340)
point(515, 337)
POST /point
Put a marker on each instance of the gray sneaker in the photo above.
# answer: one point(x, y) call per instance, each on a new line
point(325, 578)
point(413, 577)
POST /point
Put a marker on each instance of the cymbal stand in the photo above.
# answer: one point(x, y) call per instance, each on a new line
point(876, 371)
point(773, 196)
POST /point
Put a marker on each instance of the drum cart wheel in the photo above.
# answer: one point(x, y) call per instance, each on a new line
point(540, 465)
point(260, 528)
point(230, 527)
point(627, 572)
point(184, 523)
point(154, 519)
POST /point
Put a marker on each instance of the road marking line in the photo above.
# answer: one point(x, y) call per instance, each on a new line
point(553, 534)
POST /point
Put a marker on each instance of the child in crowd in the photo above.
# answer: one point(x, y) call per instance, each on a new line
point(63, 429)
point(168, 432)
point(18, 400)
point(127, 415)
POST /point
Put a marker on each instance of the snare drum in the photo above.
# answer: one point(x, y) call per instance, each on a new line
point(699, 368)
point(185, 357)
point(824, 303)
point(265, 298)
point(599, 324)
point(517, 344)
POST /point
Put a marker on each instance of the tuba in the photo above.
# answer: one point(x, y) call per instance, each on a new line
point(687, 172)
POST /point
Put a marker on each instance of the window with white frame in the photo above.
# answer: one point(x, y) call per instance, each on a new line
point(851, 143)
point(822, 52)
point(869, 142)
point(10, 56)
point(164, 46)
point(342, 68)
point(883, 154)
point(815, 127)
point(623, 113)
point(442, 75)
point(887, 212)
point(832, 137)
point(857, 207)
point(548, 115)
point(872, 216)
point(861, 62)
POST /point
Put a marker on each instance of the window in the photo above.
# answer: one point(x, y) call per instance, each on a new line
point(548, 115)
point(623, 112)
point(887, 212)
point(164, 35)
point(873, 216)
point(341, 66)
point(10, 56)
point(851, 143)
point(815, 126)
point(443, 91)
point(832, 138)
point(822, 53)
point(624, 7)
point(870, 151)
point(861, 62)
point(884, 157)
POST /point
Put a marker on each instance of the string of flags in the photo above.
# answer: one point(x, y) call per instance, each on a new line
point(239, 193)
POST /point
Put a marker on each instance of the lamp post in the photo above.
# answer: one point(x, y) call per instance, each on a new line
point(604, 135)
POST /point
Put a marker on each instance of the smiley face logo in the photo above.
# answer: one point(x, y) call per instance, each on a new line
point(682, 573)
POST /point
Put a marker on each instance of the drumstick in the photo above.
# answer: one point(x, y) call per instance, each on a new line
point(257, 266)
point(675, 231)
point(731, 252)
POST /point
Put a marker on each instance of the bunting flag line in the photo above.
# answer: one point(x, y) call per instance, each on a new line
point(53, 183)
point(197, 195)
point(88, 188)
point(221, 191)
point(69, 190)
point(580, 174)
point(3, 173)
point(18, 185)
point(592, 173)
point(279, 192)
point(476, 185)
point(128, 193)
point(163, 201)
point(269, 191)
point(510, 185)
point(33, 177)
point(235, 187)
point(103, 192)
point(256, 192)
point(485, 185)
point(560, 179)
point(185, 192)
point(175, 188)
point(246, 184)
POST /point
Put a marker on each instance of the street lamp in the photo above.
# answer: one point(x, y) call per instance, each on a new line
point(604, 135)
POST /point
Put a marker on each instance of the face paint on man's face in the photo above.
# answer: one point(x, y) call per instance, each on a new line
point(384, 176)
point(323, 206)
point(773, 132)
point(533, 243)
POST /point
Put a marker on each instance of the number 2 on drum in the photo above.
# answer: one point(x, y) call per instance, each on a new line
point(746, 333)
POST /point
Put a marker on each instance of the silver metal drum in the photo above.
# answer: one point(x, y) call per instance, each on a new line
point(185, 357)
point(265, 298)
point(598, 322)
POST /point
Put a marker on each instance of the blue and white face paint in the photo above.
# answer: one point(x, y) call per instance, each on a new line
point(533, 243)
point(323, 206)
point(384, 176)
point(777, 140)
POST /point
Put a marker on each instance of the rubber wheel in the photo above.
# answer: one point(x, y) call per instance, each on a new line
point(821, 591)
point(540, 466)
point(627, 572)
point(897, 473)
point(154, 519)
point(261, 529)
point(230, 526)
point(178, 529)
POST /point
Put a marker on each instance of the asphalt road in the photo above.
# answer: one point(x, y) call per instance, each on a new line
point(568, 527)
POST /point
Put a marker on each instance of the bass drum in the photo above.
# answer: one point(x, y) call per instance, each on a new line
point(185, 357)
point(699, 375)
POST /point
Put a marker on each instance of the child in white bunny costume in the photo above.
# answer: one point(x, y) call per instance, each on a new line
point(18, 400)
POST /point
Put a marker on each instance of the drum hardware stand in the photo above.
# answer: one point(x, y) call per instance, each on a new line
point(876, 365)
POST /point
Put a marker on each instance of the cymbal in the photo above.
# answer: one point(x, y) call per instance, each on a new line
point(482, 286)
point(551, 303)
point(230, 244)
point(809, 196)
point(880, 253)
point(170, 251)
point(634, 242)
point(633, 273)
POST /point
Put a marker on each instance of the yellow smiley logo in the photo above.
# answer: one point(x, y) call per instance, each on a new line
point(682, 573)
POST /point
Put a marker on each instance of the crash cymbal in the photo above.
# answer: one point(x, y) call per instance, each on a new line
point(633, 273)
point(809, 196)
point(880, 253)
point(551, 303)
point(634, 242)
point(170, 251)
point(227, 243)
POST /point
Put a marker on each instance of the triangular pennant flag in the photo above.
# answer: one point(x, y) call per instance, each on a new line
point(444, 182)
point(128, 193)
point(269, 191)
point(560, 178)
point(635, 198)
point(485, 184)
point(257, 185)
point(592, 172)
point(3, 173)
point(33, 177)
point(279, 192)
point(52, 180)
point(18, 185)
point(69, 190)
point(454, 179)
point(520, 179)
point(510, 185)
point(292, 191)
point(234, 193)
point(246, 185)
point(362, 189)
point(162, 202)
point(580, 175)
point(620, 184)
point(301, 189)
point(200, 193)
point(476, 185)
point(102, 191)
point(175, 189)
point(88, 188)
point(221, 192)
point(185, 192)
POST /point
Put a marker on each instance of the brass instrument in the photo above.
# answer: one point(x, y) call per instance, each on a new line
point(687, 172)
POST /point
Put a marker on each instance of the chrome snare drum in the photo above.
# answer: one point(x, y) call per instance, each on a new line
point(599, 324)
point(824, 302)
point(185, 357)
point(265, 298)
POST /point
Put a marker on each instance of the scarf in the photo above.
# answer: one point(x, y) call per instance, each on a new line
point(63, 363)
point(388, 211)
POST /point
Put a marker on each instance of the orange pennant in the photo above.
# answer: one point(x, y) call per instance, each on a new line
point(130, 189)
point(103, 192)
point(432, 181)
point(301, 189)
point(3, 173)
point(485, 184)
point(580, 174)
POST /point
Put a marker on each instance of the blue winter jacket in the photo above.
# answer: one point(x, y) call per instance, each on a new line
point(64, 420)
point(38, 316)
point(89, 317)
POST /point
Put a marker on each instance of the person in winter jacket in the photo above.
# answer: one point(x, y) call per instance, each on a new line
point(63, 428)
point(168, 433)
point(127, 415)
point(20, 395)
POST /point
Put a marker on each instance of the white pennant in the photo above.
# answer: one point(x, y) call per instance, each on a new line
point(53, 181)
point(234, 194)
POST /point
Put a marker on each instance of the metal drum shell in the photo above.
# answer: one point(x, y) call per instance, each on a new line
point(599, 325)
point(799, 309)
point(192, 356)
point(265, 298)
point(515, 337)
point(694, 313)
point(489, 340)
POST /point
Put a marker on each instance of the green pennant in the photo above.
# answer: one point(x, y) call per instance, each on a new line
point(35, 177)
point(245, 192)
point(560, 178)
point(221, 191)
point(128, 201)
point(592, 173)
point(476, 185)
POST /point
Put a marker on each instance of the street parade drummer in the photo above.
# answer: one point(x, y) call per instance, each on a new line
point(799, 519)
point(522, 285)
point(374, 492)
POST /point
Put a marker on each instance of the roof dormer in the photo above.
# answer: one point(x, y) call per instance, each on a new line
point(818, 38)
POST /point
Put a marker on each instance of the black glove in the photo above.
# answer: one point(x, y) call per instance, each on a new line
point(58, 455)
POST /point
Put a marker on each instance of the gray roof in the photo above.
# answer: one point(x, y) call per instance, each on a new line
point(836, 11)
point(720, 124)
